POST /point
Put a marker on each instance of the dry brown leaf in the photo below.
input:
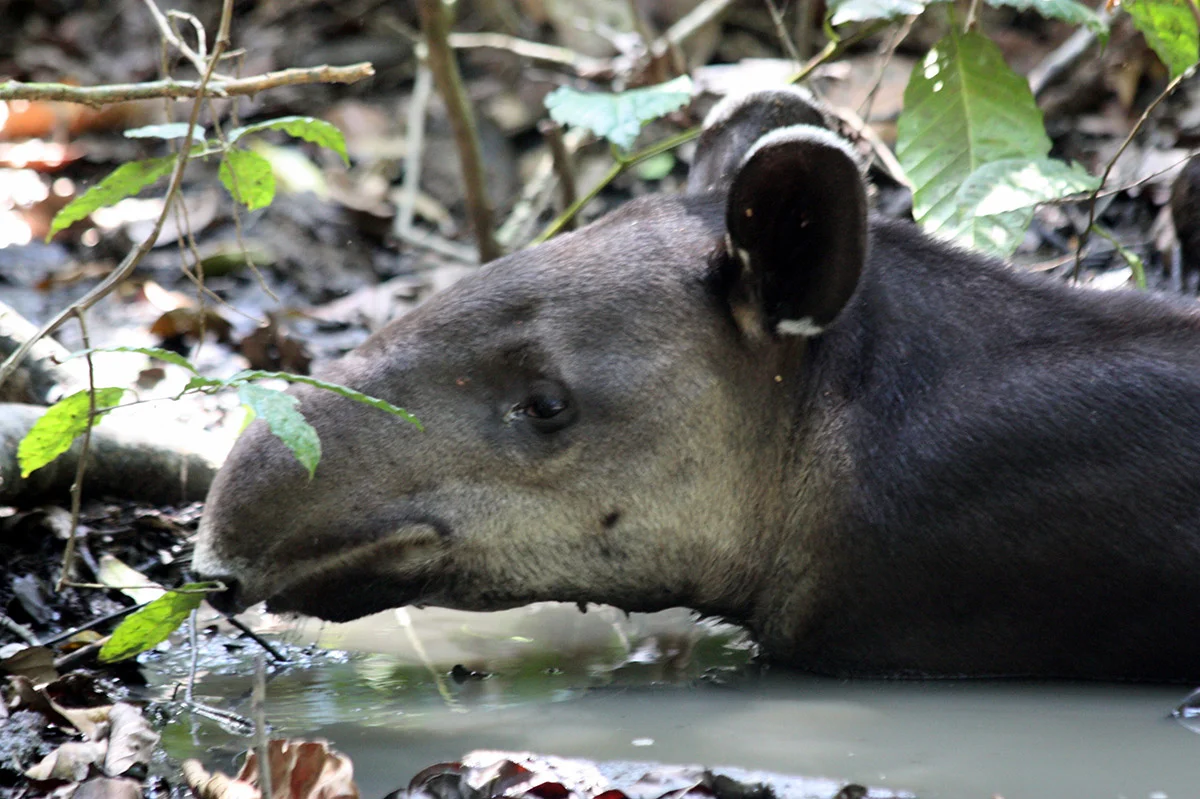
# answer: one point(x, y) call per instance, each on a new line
point(299, 770)
point(130, 739)
point(69, 762)
point(108, 788)
point(215, 786)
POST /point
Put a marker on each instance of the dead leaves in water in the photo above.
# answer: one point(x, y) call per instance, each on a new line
point(299, 770)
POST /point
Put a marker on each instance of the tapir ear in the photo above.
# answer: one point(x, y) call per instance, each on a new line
point(737, 122)
point(796, 223)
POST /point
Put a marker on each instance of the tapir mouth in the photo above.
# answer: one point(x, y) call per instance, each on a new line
point(347, 583)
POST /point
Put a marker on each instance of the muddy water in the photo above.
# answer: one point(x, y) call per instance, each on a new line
point(662, 688)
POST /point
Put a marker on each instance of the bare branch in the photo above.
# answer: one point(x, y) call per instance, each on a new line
point(96, 96)
point(435, 23)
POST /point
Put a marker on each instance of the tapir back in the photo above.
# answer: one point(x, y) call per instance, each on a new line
point(1023, 489)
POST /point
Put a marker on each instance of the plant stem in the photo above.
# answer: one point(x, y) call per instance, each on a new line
point(435, 23)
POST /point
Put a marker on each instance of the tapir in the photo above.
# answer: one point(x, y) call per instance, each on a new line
point(883, 455)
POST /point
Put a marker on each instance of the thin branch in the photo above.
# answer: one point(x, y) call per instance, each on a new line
point(435, 23)
point(581, 64)
point(781, 32)
point(1108, 168)
point(81, 466)
point(561, 159)
point(97, 96)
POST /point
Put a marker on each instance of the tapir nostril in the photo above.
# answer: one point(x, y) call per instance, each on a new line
point(228, 601)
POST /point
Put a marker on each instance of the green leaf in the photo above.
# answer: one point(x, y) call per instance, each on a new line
point(311, 129)
point(255, 184)
point(963, 108)
point(153, 352)
point(151, 625)
point(998, 198)
point(124, 181)
point(344, 391)
point(280, 412)
point(618, 117)
point(1170, 29)
point(170, 130)
point(55, 431)
point(1016, 183)
point(841, 11)
point(1066, 10)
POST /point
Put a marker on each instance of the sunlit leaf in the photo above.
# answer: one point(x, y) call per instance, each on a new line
point(283, 417)
point(964, 108)
point(1017, 183)
point(1170, 29)
point(344, 391)
point(842, 11)
point(151, 625)
point(618, 117)
point(56, 430)
point(254, 185)
point(311, 129)
point(124, 181)
point(997, 196)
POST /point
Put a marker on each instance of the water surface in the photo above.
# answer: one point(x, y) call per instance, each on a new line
point(605, 686)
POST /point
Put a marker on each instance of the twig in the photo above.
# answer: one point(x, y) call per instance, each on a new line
point(182, 89)
point(96, 622)
point(887, 53)
point(691, 23)
point(256, 638)
point(536, 196)
point(582, 64)
point(19, 630)
point(171, 36)
point(81, 465)
point(882, 152)
point(82, 653)
point(258, 712)
point(436, 25)
point(414, 143)
point(1108, 168)
point(781, 32)
point(552, 132)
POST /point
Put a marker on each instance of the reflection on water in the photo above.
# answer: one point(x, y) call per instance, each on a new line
point(661, 687)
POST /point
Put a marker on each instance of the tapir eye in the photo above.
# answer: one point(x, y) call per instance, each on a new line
point(547, 407)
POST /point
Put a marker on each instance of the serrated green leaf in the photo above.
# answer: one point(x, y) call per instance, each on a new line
point(618, 117)
point(153, 352)
point(124, 181)
point(1017, 183)
point(1066, 10)
point(56, 430)
point(281, 413)
point(344, 391)
point(1170, 29)
point(311, 129)
point(255, 183)
point(169, 130)
point(842, 11)
point(152, 625)
point(963, 108)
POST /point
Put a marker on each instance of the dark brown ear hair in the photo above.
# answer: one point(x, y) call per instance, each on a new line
point(796, 228)
point(737, 122)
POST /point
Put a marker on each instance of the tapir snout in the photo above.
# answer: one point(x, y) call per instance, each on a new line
point(882, 454)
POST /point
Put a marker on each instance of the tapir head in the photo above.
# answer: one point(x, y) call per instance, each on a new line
point(608, 417)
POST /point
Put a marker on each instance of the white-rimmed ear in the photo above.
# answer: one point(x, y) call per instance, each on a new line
point(796, 226)
point(737, 122)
